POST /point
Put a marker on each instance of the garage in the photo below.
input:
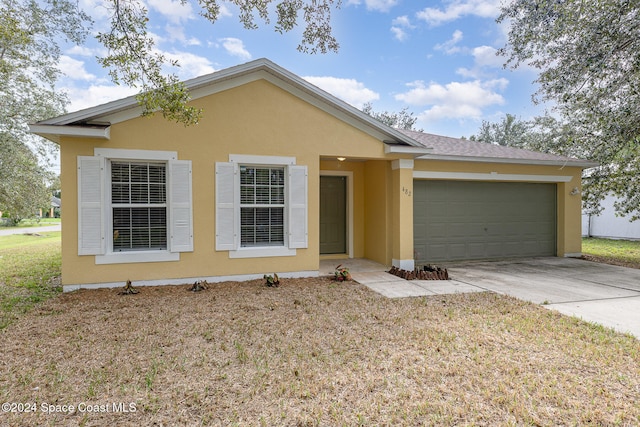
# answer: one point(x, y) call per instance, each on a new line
point(466, 220)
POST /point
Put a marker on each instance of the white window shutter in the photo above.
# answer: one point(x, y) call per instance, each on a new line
point(298, 234)
point(226, 207)
point(91, 234)
point(180, 201)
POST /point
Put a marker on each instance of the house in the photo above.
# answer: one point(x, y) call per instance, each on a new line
point(608, 225)
point(280, 174)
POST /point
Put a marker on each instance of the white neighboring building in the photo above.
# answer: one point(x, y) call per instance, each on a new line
point(608, 225)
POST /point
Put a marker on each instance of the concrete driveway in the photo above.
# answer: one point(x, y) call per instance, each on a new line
point(601, 293)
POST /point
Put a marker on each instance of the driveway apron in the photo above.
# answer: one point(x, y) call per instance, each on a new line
point(600, 293)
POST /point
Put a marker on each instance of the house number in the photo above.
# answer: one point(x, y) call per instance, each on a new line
point(406, 191)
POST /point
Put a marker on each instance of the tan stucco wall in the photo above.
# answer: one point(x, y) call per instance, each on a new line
point(378, 211)
point(255, 119)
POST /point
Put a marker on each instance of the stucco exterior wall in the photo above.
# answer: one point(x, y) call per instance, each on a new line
point(254, 119)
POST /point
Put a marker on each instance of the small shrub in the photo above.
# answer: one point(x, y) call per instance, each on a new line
point(341, 274)
point(272, 281)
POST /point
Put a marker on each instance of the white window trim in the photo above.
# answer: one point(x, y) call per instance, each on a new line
point(111, 257)
point(261, 251)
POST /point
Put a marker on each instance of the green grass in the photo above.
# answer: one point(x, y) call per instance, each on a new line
point(42, 222)
point(621, 252)
point(29, 268)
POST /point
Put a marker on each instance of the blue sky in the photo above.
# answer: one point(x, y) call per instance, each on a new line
point(435, 57)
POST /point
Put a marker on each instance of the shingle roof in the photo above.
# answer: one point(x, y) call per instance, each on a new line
point(461, 149)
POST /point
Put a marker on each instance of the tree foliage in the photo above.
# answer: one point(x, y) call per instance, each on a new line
point(404, 119)
point(30, 32)
point(133, 60)
point(23, 182)
point(510, 131)
point(588, 57)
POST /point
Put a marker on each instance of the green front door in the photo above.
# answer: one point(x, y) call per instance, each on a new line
point(333, 214)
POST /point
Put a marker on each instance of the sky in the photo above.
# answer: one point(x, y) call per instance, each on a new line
point(436, 58)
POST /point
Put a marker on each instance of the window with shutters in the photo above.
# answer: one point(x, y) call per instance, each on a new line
point(139, 205)
point(261, 206)
point(134, 206)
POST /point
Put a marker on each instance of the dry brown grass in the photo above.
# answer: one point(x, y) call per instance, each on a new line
point(314, 352)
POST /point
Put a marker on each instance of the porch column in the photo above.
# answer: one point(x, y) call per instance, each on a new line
point(402, 213)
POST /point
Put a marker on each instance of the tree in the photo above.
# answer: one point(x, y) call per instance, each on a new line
point(588, 57)
point(29, 54)
point(23, 182)
point(510, 131)
point(132, 60)
point(402, 120)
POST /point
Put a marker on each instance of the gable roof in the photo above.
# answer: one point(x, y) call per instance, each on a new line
point(95, 122)
point(447, 148)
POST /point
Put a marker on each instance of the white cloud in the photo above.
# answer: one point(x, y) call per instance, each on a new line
point(82, 51)
point(451, 46)
point(399, 25)
point(173, 11)
point(93, 95)
point(457, 100)
point(379, 5)
point(235, 47)
point(399, 34)
point(458, 8)
point(74, 69)
point(485, 56)
point(176, 32)
point(349, 90)
point(190, 65)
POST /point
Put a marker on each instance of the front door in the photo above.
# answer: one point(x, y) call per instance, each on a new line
point(333, 214)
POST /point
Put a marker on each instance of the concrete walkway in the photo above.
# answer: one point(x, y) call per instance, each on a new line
point(600, 293)
point(375, 277)
point(25, 230)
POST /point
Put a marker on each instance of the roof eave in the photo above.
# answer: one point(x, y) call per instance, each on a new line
point(54, 132)
point(560, 162)
point(390, 147)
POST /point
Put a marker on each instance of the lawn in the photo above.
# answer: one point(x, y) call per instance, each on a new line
point(617, 252)
point(29, 272)
point(312, 352)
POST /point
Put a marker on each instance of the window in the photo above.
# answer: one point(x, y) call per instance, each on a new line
point(139, 206)
point(134, 206)
point(261, 206)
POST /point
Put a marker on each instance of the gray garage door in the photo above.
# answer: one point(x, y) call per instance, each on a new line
point(459, 220)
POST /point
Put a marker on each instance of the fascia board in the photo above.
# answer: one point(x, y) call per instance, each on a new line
point(406, 149)
point(572, 163)
point(56, 131)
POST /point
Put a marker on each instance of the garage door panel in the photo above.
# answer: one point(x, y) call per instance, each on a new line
point(475, 220)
